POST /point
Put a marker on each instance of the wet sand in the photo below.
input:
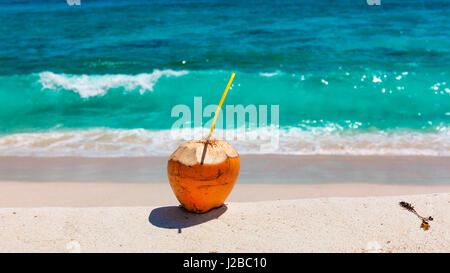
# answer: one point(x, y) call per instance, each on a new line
point(270, 169)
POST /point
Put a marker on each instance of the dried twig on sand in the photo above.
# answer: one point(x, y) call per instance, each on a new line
point(424, 225)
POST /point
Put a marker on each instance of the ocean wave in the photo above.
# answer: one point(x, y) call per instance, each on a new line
point(98, 85)
point(102, 142)
point(310, 105)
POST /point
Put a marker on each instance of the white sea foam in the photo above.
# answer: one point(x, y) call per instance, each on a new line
point(314, 141)
point(376, 79)
point(269, 74)
point(98, 85)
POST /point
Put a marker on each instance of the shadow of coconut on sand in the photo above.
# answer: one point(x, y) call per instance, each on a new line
point(176, 217)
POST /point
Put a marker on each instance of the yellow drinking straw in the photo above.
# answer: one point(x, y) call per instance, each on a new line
point(215, 116)
point(220, 105)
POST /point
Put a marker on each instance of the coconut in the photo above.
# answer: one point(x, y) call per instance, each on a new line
point(202, 173)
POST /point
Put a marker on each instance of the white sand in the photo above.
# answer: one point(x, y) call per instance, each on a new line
point(15, 194)
point(309, 225)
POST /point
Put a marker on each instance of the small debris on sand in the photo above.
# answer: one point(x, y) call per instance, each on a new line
point(424, 225)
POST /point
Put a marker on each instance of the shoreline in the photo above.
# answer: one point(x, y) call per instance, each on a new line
point(91, 182)
point(266, 169)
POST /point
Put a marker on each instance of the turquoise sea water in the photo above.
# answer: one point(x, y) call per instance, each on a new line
point(101, 79)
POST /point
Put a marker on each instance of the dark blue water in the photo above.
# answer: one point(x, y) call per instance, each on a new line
point(129, 37)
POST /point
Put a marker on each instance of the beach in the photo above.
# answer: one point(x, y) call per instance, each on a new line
point(338, 110)
point(129, 215)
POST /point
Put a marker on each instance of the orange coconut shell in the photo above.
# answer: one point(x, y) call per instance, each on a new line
point(202, 187)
